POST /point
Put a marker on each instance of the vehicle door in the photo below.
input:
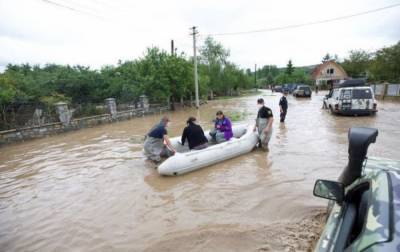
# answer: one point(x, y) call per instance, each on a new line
point(345, 99)
point(334, 98)
point(366, 215)
point(362, 99)
point(307, 91)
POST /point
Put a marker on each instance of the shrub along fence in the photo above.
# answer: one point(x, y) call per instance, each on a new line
point(66, 123)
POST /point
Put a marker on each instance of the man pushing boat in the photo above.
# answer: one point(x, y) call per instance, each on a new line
point(264, 124)
point(157, 144)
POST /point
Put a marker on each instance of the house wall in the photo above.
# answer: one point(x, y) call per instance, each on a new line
point(323, 75)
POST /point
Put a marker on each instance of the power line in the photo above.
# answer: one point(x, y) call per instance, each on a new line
point(64, 6)
point(305, 24)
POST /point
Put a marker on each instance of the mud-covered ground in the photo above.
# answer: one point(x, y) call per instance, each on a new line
point(93, 190)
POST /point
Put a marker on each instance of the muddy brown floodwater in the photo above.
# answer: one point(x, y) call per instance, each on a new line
point(93, 190)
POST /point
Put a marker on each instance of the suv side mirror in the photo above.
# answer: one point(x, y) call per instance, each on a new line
point(329, 190)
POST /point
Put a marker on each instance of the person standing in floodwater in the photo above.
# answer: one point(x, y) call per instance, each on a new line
point(264, 124)
point(283, 106)
point(157, 144)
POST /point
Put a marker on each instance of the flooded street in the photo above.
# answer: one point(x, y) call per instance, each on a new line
point(93, 190)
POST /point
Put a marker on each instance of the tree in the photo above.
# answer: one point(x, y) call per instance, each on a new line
point(357, 64)
point(385, 64)
point(289, 68)
point(215, 57)
point(7, 95)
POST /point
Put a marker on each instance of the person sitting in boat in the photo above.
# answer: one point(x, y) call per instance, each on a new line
point(263, 124)
point(223, 128)
point(157, 144)
point(194, 135)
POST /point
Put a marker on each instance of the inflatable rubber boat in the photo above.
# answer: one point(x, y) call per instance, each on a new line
point(243, 141)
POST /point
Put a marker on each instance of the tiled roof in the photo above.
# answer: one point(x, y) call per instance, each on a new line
point(317, 69)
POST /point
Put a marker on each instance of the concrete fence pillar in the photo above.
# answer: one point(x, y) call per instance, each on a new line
point(111, 107)
point(144, 102)
point(37, 117)
point(64, 114)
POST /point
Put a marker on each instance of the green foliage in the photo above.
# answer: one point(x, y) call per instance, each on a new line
point(298, 76)
point(216, 73)
point(236, 116)
point(289, 68)
point(385, 65)
point(328, 57)
point(382, 65)
point(159, 75)
point(357, 64)
point(7, 90)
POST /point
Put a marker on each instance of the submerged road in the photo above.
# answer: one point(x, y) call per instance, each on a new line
point(93, 190)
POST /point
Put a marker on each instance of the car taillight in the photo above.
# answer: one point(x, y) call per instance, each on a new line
point(375, 106)
point(336, 106)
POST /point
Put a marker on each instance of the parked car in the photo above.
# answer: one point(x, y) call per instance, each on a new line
point(290, 87)
point(364, 206)
point(278, 89)
point(302, 91)
point(351, 98)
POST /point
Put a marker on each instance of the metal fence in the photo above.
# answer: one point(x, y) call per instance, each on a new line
point(393, 90)
point(389, 90)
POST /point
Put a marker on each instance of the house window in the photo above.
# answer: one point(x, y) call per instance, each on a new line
point(330, 71)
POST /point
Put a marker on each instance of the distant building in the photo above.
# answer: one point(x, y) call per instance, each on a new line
point(328, 73)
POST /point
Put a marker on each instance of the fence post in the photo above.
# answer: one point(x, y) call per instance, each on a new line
point(63, 113)
point(112, 107)
point(385, 90)
point(144, 103)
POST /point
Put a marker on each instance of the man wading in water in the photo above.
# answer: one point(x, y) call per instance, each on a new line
point(157, 144)
point(264, 124)
point(283, 106)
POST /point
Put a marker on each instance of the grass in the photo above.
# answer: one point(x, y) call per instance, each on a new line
point(243, 93)
point(236, 116)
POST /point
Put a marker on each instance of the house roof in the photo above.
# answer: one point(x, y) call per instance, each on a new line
point(317, 69)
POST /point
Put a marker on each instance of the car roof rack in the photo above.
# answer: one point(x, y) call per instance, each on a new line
point(351, 83)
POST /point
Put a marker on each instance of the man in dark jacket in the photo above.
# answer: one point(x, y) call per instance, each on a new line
point(264, 122)
point(283, 105)
point(157, 144)
point(194, 135)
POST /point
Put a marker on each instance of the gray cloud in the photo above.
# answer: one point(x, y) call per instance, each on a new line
point(40, 33)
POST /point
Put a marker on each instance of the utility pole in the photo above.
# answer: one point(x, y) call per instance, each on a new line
point(172, 47)
point(255, 76)
point(196, 81)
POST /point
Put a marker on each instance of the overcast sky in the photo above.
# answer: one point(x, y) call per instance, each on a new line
point(100, 32)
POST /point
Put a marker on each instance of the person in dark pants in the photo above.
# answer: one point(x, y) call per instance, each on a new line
point(194, 135)
point(264, 122)
point(157, 144)
point(283, 105)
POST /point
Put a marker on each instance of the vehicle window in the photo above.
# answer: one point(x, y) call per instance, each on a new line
point(335, 93)
point(346, 94)
point(362, 94)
